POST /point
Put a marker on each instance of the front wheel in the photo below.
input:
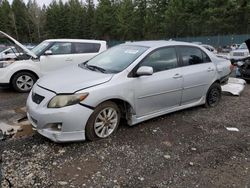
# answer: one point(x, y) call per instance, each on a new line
point(23, 81)
point(213, 95)
point(103, 122)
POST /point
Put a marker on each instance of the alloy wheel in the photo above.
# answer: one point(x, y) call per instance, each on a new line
point(106, 122)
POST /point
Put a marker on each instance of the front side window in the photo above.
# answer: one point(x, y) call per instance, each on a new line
point(193, 56)
point(80, 48)
point(61, 48)
point(161, 59)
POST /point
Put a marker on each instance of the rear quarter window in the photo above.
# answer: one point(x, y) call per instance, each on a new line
point(79, 48)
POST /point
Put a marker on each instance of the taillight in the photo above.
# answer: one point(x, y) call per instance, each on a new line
point(231, 67)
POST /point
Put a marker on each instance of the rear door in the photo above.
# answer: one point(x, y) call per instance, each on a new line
point(198, 73)
point(83, 51)
point(163, 89)
point(61, 56)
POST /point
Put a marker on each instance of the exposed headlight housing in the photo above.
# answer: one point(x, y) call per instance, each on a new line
point(4, 64)
point(60, 101)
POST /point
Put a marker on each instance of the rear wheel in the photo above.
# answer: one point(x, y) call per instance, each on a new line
point(23, 81)
point(213, 95)
point(103, 122)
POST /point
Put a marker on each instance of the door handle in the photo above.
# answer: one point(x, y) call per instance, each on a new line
point(176, 76)
point(69, 59)
point(210, 69)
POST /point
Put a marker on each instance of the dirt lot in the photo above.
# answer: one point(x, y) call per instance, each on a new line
point(190, 148)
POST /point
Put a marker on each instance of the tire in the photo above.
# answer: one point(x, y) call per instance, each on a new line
point(23, 81)
point(213, 95)
point(109, 126)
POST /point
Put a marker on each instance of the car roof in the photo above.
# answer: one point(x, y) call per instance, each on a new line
point(76, 40)
point(160, 43)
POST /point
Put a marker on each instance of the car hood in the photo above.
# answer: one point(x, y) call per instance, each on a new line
point(30, 53)
point(248, 44)
point(72, 79)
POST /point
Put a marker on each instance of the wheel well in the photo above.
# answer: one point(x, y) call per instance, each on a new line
point(124, 106)
point(24, 71)
point(217, 81)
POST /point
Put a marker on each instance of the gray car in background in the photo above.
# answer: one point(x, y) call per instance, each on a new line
point(136, 81)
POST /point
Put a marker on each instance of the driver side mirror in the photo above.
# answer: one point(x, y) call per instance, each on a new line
point(6, 52)
point(144, 71)
point(48, 52)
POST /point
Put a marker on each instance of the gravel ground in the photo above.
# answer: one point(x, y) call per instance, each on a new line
point(189, 148)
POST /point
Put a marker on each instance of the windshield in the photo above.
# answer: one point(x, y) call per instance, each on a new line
point(40, 48)
point(243, 46)
point(115, 59)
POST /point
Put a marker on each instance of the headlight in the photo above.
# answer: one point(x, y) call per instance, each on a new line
point(60, 101)
point(4, 64)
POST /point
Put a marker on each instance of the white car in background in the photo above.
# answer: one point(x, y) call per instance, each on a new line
point(2, 47)
point(22, 72)
point(240, 53)
point(9, 53)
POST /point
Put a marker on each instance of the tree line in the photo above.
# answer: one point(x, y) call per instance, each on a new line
point(124, 19)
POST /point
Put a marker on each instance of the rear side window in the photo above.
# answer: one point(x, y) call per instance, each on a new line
point(80, 48)
point(193, 56)
point(161, 59)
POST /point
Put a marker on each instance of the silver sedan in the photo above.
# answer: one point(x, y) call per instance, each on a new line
point(137, 81)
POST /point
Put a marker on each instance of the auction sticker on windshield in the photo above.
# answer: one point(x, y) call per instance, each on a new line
point(131, 51)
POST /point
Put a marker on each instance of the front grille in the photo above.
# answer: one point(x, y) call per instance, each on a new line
point(238, 54)
point(37, 98)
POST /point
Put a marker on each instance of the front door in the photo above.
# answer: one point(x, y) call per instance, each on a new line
point(163, 89)
point(61, 56)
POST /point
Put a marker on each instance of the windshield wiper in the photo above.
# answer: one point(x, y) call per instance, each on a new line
point(93, 67)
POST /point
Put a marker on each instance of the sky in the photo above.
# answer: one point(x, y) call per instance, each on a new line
point(41, 3)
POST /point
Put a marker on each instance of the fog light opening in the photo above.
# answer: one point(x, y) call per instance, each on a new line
point(59, 126)
point(55, 126)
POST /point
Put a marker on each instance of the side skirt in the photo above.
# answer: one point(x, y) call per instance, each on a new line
point(135, 120)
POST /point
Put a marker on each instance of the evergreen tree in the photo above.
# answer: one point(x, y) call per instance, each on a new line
point(125, 20)
point(105, 20)
point(56, 20)
point(19, 19)
point(89, 29)
point(74, 13)
point(5, 17)
point(140, 18)
point(34, 18)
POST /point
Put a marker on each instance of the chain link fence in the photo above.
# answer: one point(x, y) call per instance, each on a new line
point(216, 41)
